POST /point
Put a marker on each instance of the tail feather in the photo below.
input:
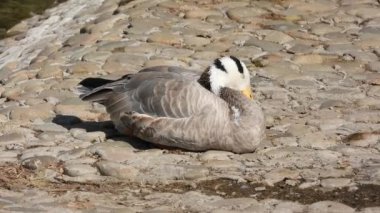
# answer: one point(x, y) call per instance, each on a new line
point(93, 83)
point(92, 89)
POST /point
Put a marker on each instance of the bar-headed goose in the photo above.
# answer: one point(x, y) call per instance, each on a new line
point(176, 107)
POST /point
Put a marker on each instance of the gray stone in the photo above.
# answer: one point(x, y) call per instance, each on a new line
point(363, 139)
point(289, 207)
point(49, 127)
point(316, 140)
point(165, 38)
point(92, 136)
point(97, 57)
point(244, 14)
point(195, 172)
point(341, 48)
point(50, 71)
point(108, 46)
point(83, 68)
point(113, 151)
point(205, 55)
point(39, 162)
point(196, 41)
point(374, 66)
point(363, 56)
point(322, 29)
point(72, 154)
point(308, 59)
point(123, 62)
point(9, 154)
point(329, 206)
point(39, 111)
point(364, 116)
point(215, 155)
point(162, 62)
point(85, 179)
point(117, 170)
point(42, 151)
point(245, 51)
point(143, 26)
point(202, 13)
point(335, 182)
point(233, 204)
point(277, 37)
point(178, 53)
point(364, 12)
point(82, 160)
point(278, 175)
point(370, 210)
point(300, 48)
point(75, 170)
point(265, 45)
point(12, 138)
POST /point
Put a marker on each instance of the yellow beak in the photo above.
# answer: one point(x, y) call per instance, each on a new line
point(248, 92)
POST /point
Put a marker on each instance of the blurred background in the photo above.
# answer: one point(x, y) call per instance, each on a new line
point(13, 11)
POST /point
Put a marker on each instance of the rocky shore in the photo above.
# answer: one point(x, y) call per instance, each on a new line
point(317, 77)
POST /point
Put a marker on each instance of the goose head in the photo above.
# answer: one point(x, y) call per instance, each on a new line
point(227, 72)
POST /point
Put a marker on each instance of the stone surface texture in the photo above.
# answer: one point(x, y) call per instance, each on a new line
point(317, 79)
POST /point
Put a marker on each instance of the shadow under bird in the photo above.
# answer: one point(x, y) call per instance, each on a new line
point(176, 107)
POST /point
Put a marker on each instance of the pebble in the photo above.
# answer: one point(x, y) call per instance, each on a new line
point(161, 62)
point(97, 57)
point(196, 41)
point(92, 136)
point(12, 138)
point(39, 111)
point(244, 14)
point(165, 38)
point(329, 206)
point(72, 154)
point(202, 14)
point(278, 175)
point(80, 110)
point(49, 127)
point(123, 62)
point(265, 45)
point(308, 59)
point(374, 66)
point(113, 151)
point(50, 71)
point(245, 51)
point(289, 207)
point(335, 182)
point(364, 12)
point(363, 139)
point(277, 37)
point(75, 170)
point(117, 170)
point(39, 162)
point(83, 68)
point(215, 155)
point(370, 210)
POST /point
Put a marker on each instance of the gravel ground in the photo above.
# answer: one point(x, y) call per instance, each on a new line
point(317, 77)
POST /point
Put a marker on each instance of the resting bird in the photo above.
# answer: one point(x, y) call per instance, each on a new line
point(176, 107)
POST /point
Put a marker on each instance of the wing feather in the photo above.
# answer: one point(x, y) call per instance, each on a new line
point(158, 91)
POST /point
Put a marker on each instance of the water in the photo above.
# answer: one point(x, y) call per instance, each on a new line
point(13, 11)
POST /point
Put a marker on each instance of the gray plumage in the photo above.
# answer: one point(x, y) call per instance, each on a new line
point(168, 106)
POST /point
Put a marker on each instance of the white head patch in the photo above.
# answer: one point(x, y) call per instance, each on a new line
point(230, 72)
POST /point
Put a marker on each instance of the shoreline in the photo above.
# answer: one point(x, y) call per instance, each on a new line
point(56, 25)
point(13, 12)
